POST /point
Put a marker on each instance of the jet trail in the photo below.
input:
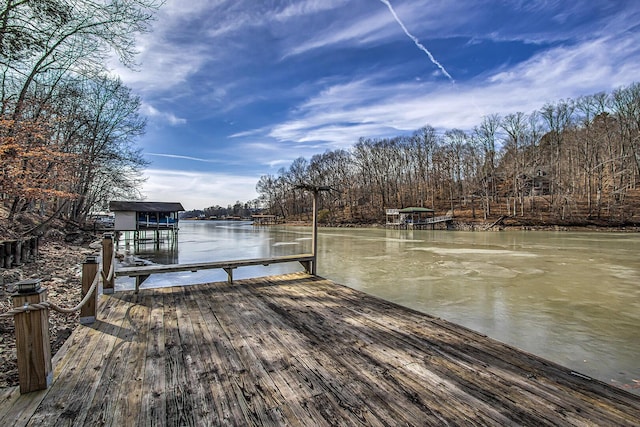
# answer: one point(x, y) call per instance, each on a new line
point(416, 41)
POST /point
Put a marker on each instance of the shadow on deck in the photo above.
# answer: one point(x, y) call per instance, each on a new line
point(299, 350)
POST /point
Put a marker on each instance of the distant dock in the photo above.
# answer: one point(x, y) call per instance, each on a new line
point(298, 349)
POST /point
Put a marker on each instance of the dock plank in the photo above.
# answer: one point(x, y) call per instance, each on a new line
point(181, 407)
point(114, 365)
point(153, 402)
point(128, 395)
point(78, 374)
point(300, 350)
point(198, 364)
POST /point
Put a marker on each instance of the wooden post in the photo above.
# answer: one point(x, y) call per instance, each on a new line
point(8, 254)
point(89, 271)
point(25, 251)
point(229, 271)
point(34, 247)
point(9, 258)
point(107, 258)
point(33, 346)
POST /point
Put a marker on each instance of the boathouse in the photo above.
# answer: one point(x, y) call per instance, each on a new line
point(161, 218)
point(262, 219)
point(415, 217)
point(410, 215)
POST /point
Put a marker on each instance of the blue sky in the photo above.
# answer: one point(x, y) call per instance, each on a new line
point(236, 89)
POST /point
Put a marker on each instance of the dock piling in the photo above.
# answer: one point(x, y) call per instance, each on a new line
point(89, 271)
point(107, 259)
point(33, 346)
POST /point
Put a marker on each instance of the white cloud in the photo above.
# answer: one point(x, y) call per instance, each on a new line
point(153, 113)
point(198, 190)
point(363, 30)
point(164, 62)
point(177, 156)
point(344, 112)
point(308, 7)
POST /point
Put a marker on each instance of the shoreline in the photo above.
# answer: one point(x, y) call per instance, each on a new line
point(481, 227)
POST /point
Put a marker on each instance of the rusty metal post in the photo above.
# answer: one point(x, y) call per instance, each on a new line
point(33, 346)
point(107, 259)
point(89, 271)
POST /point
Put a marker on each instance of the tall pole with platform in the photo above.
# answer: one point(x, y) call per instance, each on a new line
point(315, 189)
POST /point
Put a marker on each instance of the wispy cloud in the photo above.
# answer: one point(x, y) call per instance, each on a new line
point(153, 113)
point(177, 156)
point(305, 8)
point(360, 31)
point(341, 114)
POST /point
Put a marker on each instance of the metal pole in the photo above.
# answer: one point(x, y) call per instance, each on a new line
point(314, 237)
point(314, 240)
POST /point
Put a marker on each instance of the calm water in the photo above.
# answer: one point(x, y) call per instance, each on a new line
point(573, 298)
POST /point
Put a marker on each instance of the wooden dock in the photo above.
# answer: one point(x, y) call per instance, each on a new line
point(299, 350)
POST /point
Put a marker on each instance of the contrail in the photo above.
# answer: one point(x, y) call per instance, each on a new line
point(416, 41)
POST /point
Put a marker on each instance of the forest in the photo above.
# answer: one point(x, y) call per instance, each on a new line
point(67, 126)
point(575, 161)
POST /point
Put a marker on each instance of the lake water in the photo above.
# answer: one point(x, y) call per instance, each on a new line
point(570, 297)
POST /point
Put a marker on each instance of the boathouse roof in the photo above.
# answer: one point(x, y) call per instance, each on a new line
point(415, 210)
point(116, 206)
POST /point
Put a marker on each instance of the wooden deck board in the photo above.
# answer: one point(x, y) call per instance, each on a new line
point(299, 350)
point(153, 404)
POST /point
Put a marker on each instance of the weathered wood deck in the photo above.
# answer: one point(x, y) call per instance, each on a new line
point(299, 350)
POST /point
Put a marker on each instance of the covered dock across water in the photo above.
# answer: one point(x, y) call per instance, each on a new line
point(299, 349)
point(415, 217)
point(159, 219)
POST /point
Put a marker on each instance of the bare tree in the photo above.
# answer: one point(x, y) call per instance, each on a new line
point(515, 125)
point(46, 48)
point(486, 135)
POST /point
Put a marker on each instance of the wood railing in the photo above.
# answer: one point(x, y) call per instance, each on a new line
point(437, 219)
point(141, 273)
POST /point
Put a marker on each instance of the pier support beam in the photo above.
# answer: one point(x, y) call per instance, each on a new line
point(229, 271)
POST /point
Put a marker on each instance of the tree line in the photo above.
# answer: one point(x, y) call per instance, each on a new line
point(237, 210)
point(572, 160)
point(66, 125)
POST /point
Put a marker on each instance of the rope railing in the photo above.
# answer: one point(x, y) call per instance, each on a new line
point(112, 270)
point(33, 346)
point(50, 305)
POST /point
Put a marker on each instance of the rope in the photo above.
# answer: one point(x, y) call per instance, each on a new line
point(112, 269)
point(49, 305)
